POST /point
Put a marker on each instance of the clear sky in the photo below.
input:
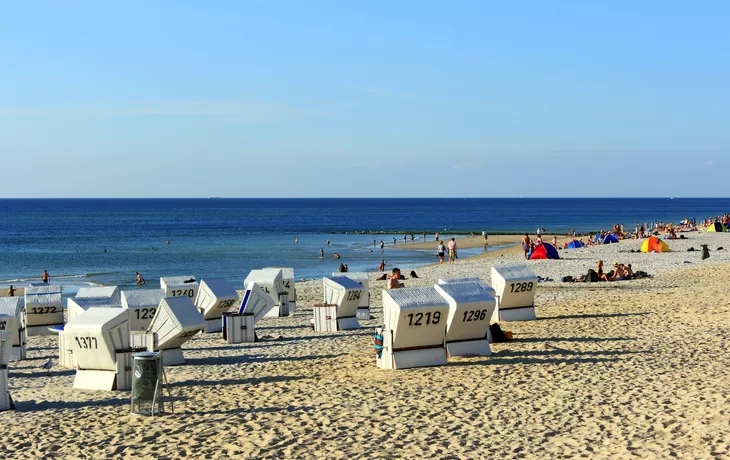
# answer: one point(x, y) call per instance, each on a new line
point(364, 98)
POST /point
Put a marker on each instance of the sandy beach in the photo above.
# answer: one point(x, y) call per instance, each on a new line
point(633, 369)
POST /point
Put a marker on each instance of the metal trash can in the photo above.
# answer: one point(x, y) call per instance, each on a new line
point(147, 384)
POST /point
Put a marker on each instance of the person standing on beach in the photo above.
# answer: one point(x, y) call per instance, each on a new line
point(452, 251)
point(140, 280)
point(11, 291)
point(382, 246)
point(381, 267)
point(484, 239)
point(555, 242)
point(321, 253)
point(424, 236)
point(45, 277)
point(405, 238)
point(441, 251)
point(437, 236)
point(526, 244)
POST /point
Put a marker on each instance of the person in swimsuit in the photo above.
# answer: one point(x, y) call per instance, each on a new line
point(140, 280)
point(11, 291)
point(526, 244)
point(441, 251)
point(381, 267)
point(394, 281)
point(452, 251)
point(45, 277)
point(321, 253)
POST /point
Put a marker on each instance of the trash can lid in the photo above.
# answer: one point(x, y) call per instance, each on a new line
point(146, 355)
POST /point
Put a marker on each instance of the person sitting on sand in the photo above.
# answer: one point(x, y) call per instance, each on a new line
point(45, 277)
point(394, 280)
point(140, 280)
point(619, 273)
point(413, 274)
point(11, 291)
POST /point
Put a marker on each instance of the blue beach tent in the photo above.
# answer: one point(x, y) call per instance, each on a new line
point(575, 244)
point(608, 239)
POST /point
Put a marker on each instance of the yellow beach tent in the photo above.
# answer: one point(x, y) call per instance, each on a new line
point(654, 244)
point(716, 227)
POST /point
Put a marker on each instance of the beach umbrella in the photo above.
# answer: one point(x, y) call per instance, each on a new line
point(654, 244)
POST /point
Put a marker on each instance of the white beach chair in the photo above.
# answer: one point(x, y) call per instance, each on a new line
point(363, 309)
point(240, 327)
point(175, 322)
point(271, 280)
point(99, 340)
point(179, 286)
point(470, 309)
point(516, 286)
point(414, 330)
point(100, 291)
point(11, 320)
point(6, 339)
point(142, 305)
point(214, 298)
point(493, 292)
point(43, 309)
point(289, 285)
point(341, 300)
point(76, 306)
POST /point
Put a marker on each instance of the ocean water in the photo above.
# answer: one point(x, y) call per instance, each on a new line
point(229, 237)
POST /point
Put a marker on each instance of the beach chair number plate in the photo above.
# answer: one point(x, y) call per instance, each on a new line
point(42, 310)
point(521, 287)
point(475, 315)
point(146, 313)
point(182, 292)
point(87, 342)
point(417, 319)
point(3, 325)
point(354, 295)
point(228, 303)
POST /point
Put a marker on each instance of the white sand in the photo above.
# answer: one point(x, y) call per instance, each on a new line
point(636, 369)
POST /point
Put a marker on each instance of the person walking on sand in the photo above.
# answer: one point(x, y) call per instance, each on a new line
point(441, 251)
point(452, 251)
point(45, 277)
point(140, 280)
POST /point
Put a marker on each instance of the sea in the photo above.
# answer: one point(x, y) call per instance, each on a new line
point(105, 241)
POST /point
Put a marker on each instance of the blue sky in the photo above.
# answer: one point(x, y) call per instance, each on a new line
point(345, 98)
